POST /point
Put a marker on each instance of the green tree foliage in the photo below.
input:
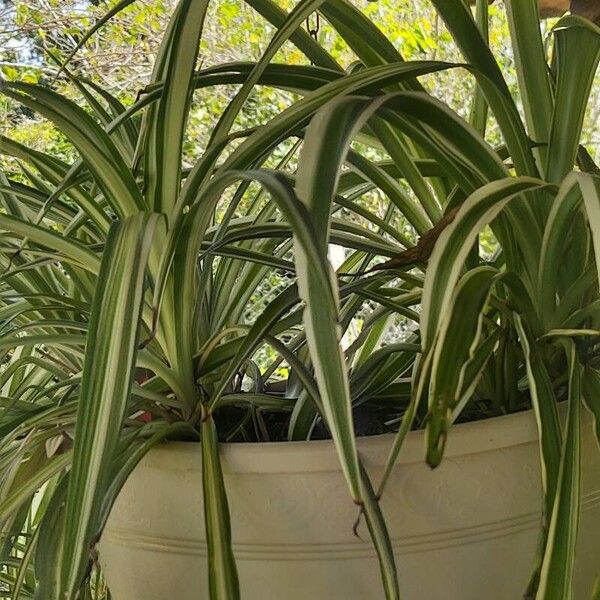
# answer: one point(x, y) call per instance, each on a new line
point(36, 34)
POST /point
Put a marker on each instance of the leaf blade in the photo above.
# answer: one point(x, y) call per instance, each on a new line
point(107, 378)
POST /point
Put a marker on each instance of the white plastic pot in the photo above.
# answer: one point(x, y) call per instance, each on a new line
point(465, 531)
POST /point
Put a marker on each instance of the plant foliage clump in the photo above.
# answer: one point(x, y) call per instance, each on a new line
point(129, 262)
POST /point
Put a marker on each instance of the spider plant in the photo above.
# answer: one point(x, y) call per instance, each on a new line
point(128, 280)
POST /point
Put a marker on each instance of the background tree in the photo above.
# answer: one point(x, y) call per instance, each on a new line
point(35, 34)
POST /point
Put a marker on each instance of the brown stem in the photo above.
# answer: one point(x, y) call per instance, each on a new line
point(422, 251)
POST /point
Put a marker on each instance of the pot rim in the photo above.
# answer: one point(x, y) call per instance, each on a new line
point(487, 435)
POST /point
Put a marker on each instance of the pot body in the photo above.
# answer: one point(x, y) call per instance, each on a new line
point(464, 531)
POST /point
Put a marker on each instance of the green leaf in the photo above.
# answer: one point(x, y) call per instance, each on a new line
point(479, 108)
point(274, 311)
point(285, 29)
point(222, 573)
point(577, 43)
point(298, 114)
point(380, 537)
point(165, 121)
point(455, 243)
point(591, 396)
point(98, 151)
point(543, 400)
point(560, 219)
point(362, 35)
point(556, 577)
point(72, 250)
point(49, 556)
point(325, 146)
point(468, 37)
point(107, 378)
point(25, 490)
point(532, 69)
point(473, 371)
point(457, 338)
point(590, 190)
point(596, 591)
